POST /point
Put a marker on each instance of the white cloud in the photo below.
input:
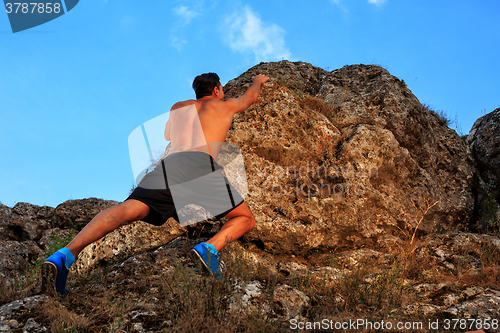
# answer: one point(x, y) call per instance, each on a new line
point(177, 42)
point(340, 5)
point(185, 14)
point(376, 2)
point(247, 33)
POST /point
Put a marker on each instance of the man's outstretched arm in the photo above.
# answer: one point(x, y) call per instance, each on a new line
point(250, 96)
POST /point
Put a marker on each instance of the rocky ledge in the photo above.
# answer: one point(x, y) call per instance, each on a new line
point(445, 277)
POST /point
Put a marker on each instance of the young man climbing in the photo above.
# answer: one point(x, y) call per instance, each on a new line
point(189, 174)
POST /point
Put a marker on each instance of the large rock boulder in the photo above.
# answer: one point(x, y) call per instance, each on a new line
point(24, 221)
point(346, 159)
point(21, 227)
point(15, 259)
point(127, 241)
point(5, 222)
point(484, 144)
point(77, 213)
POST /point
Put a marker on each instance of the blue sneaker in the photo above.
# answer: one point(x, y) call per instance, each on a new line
point(54, 275)
point(209, 258)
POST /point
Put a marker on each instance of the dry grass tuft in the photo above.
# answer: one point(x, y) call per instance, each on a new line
point(63, 320)
point(318, 105)
point(487, 275)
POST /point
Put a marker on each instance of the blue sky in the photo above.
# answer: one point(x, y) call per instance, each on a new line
point(73, 89)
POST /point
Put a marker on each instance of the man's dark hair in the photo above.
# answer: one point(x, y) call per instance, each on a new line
point(204, 84)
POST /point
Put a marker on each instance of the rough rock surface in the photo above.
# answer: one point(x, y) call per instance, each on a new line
point(346, 159)
point(289, 301)
point(26, 230)
point(484, 144)
point(24, 221)
point(77, 213)
point(127, 241)
point(15, 259)
point(249, 298)
point(5, 222)
point(10, 311)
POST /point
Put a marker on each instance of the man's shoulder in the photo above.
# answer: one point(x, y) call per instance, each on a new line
point(206, 105)
point(212, 104)
point(183, 104)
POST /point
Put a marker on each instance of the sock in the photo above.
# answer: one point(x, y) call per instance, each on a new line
point(211, 248)
point(70, 259)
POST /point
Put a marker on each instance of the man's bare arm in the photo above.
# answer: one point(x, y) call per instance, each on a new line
point(250, 96)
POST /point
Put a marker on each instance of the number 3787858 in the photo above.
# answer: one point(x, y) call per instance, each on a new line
point(32, 7)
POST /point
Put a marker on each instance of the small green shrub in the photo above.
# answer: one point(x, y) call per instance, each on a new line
point(299, 93)
point(489, 254)
point(491, 192)
point(492, 205)
point(495, 222)
point(56, 243)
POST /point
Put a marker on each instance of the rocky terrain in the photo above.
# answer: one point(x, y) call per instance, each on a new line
point(386, 156)
point(485, 150)
point(367, 205)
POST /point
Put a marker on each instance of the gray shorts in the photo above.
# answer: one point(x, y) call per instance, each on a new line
point(188, 186)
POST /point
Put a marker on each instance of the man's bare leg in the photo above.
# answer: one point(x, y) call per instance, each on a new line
point(55, 268)
point(107, 221)
point(240, 222)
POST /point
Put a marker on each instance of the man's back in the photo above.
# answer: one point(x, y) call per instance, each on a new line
point(198, 125)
